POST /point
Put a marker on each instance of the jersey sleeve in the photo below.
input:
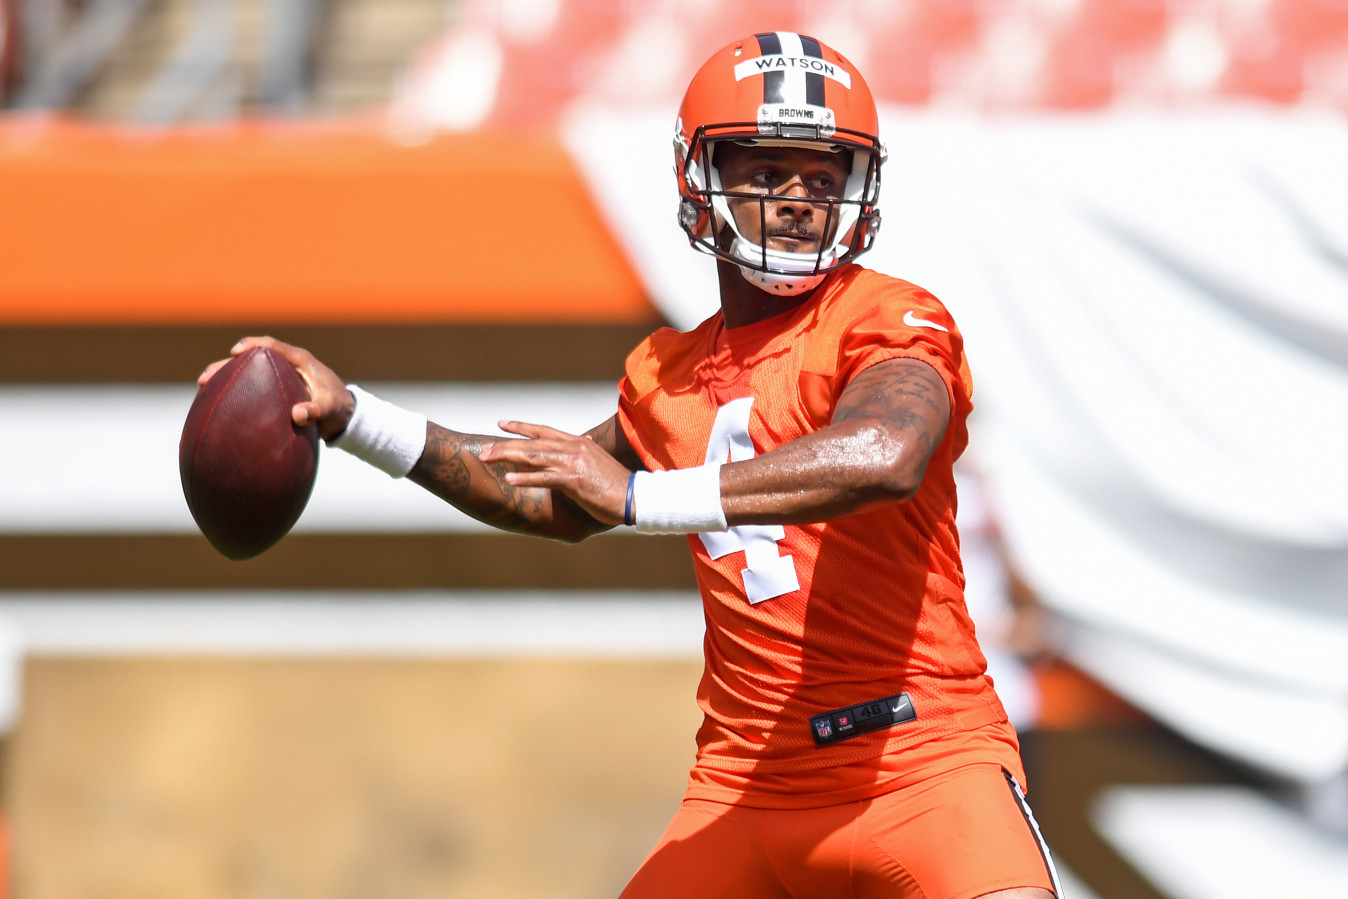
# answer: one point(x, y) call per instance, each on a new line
point(873, 318)
point(894, 320)
point(905, 322)
point(664, 355)
point(635, 383)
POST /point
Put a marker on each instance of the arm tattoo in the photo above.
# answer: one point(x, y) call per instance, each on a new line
point(907, 394)
point(451, 468)
point(605, 434)
point(614, 442)
point(453, 473)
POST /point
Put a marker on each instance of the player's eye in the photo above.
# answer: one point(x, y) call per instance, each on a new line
point(825, 182)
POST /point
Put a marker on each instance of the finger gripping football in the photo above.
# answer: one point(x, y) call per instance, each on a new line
point(247, 469)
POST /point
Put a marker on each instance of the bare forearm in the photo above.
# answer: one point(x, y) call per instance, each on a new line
point(843, 469)
point(886, 427)
point(452, 468)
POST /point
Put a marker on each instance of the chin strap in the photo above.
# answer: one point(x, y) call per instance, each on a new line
point(793, 273)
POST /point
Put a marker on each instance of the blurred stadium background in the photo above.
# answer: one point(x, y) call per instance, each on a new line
point(1137, 209)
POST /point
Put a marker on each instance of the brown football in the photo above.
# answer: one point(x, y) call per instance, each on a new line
point(247, 469)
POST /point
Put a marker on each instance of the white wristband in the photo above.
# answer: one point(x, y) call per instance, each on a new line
point(387, 436)
point(680, 501)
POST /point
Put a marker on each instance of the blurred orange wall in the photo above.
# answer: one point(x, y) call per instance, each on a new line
point(299, 223)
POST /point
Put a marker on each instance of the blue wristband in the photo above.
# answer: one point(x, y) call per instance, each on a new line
point(631, 490)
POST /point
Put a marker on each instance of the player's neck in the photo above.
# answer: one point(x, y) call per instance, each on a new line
point(744, 304)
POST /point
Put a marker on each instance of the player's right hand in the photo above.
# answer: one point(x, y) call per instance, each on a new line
point(330, 404)
point(572, 463)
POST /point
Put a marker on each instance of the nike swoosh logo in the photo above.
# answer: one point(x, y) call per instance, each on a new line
point(913, 321)
point(900, 704)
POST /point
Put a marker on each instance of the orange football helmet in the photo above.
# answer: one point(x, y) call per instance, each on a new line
point(778, 89)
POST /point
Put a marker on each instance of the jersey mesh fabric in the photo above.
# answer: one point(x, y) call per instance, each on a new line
point(879, 609)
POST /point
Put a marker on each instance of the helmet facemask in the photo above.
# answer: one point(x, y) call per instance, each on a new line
point(850, 221)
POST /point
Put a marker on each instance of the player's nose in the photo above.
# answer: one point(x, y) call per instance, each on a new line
point(793, 199)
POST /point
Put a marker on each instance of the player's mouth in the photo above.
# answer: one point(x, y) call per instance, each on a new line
point(794, 238)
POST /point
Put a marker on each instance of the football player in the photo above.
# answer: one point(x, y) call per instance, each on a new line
point(803, 437)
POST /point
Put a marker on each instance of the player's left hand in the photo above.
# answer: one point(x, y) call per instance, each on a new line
point(573, 464)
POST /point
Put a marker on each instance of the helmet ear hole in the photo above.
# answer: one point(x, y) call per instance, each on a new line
point(688, 214)
point(694, 219)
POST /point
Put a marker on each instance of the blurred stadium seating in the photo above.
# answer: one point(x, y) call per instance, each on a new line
point(518, 63)
point(352, 174)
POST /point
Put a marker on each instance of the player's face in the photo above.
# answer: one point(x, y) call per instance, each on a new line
point(797, 179)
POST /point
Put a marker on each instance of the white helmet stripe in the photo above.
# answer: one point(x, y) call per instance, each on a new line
point(793, 81)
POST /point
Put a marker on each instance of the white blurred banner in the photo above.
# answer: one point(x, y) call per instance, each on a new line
point(1156, 314)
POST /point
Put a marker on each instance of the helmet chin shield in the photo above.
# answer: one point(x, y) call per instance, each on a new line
point(771, 274)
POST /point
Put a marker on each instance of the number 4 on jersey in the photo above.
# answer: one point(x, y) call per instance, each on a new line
point(766, 572)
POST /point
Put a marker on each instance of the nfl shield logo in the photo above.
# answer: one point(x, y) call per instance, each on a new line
point(823, 727)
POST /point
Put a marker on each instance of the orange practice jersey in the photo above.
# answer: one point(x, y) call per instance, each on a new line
point(807, 619)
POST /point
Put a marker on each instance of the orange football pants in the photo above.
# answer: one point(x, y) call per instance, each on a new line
point(957, 835)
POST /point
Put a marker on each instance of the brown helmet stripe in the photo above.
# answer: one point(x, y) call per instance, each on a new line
point(774, 83)
point(814, 83)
